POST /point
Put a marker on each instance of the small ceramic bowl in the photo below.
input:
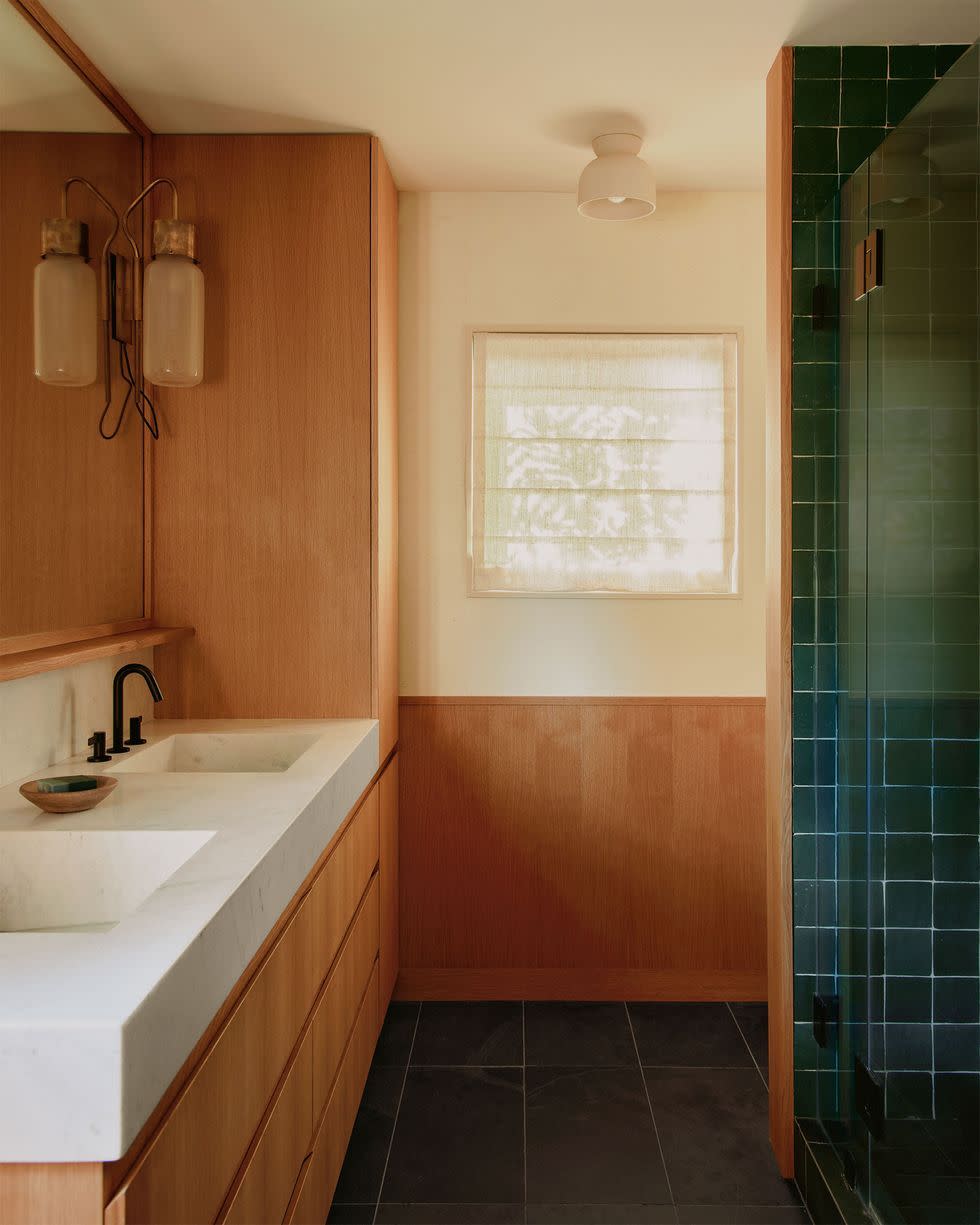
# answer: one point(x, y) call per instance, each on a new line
point(70, 801)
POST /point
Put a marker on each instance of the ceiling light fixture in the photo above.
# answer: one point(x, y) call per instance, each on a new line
point(618, 185)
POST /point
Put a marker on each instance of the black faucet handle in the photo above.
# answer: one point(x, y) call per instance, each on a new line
point(97, 741)
point(136, 730)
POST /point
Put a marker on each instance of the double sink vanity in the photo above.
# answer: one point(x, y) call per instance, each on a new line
point(193, 973)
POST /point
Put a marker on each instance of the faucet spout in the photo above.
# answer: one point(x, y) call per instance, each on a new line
point(118, 682)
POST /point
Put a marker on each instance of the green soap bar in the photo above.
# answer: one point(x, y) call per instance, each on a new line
point(68, 782)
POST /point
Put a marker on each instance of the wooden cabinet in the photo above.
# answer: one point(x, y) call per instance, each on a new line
point(186, 1169)
point(260, 1124)
point(277, 475)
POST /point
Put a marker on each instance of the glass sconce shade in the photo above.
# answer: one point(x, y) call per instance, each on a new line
point(66, 313)
point(173, 322)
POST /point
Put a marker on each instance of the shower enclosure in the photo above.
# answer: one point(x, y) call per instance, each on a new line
point(895, 1014)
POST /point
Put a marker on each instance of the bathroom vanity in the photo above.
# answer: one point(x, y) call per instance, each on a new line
point(193, 975)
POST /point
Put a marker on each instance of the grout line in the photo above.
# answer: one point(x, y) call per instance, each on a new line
point(524, 1099)
point(391, 1142)
point(653, 1117)
point(741, 1034)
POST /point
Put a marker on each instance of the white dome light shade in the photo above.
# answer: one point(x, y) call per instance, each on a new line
point(618, 185)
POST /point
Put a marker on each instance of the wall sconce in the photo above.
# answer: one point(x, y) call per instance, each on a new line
point(164, 324)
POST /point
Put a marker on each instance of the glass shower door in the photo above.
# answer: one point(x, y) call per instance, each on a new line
point(923, 662)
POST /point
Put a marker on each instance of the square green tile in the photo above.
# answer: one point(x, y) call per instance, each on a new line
point(816, 103)
point(903, 95)
point(955, 810)
point(815, 150)
point(812, 193)
point(814, 384)
point(864, 103)
point(946, 56)
point(857, 144)
point(864, 62)
point(816, 62)
point(804, 244)
point(911, 61)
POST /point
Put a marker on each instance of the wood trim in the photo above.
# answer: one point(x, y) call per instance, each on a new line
point(19, 643)
point(779, 686)
point(501, 700)
point(80, 64)
point(50, 659)
point(384, 447)
point(578, 984)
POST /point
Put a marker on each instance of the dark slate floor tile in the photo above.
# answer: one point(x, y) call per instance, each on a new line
point(351, 1214)
point(578, 1035)
point(742, 1214)
point(688, 1036)
point(590, 1138)
point(714, 1128)
point(478, 1034)
point(459, 1138)
point(360, 1178)
point(601, 1214)
point(397, 1033)
point(753, 1021)
point(451, 1214)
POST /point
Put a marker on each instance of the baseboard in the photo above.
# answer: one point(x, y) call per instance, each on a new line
point(578, 984)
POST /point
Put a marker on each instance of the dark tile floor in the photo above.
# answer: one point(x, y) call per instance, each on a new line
point(566, 1114)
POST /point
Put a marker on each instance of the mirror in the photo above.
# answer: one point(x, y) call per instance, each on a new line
point(71, 502)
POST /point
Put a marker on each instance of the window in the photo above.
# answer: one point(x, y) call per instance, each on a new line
point(603, 464)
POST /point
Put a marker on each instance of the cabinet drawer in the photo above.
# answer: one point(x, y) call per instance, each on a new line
point(337, 1010)
point(283, 1143)
point(312, 1200)
point(336, 892)
point(187, 1170)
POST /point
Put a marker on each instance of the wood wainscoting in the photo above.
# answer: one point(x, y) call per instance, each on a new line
point(582, 848)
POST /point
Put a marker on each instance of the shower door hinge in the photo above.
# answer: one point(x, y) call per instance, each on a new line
point(868, 263)
point(869, 1097)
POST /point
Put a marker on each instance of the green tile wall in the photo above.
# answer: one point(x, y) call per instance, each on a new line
point(845, 101)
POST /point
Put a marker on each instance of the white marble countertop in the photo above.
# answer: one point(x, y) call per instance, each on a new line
point(95, 1024)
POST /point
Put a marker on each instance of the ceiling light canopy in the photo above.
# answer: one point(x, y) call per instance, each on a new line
point(618, 185)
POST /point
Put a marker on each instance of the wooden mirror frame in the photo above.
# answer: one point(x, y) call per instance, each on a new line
point(24, 654)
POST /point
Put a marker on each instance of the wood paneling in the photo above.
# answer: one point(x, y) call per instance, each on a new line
point(779, 685)
point(388, 860)
point(71, 504)
point(384, 417)
point(584, 838)
point(262, 483)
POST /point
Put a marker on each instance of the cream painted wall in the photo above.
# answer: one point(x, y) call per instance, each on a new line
point(489, 259)
point(48, 717)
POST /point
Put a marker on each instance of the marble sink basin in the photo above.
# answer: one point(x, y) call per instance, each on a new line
point(85, 880)
point(219, 753)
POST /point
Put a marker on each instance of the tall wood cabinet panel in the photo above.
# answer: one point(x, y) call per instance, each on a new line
point(274, 519)
point(388, 854)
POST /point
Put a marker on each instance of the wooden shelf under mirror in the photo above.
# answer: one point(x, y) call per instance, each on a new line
point(66, 654)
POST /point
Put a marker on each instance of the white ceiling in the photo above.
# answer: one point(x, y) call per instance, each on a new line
point(495, 95)
point(38, 91)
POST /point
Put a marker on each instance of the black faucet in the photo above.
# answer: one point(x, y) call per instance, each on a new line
point(118, 680)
